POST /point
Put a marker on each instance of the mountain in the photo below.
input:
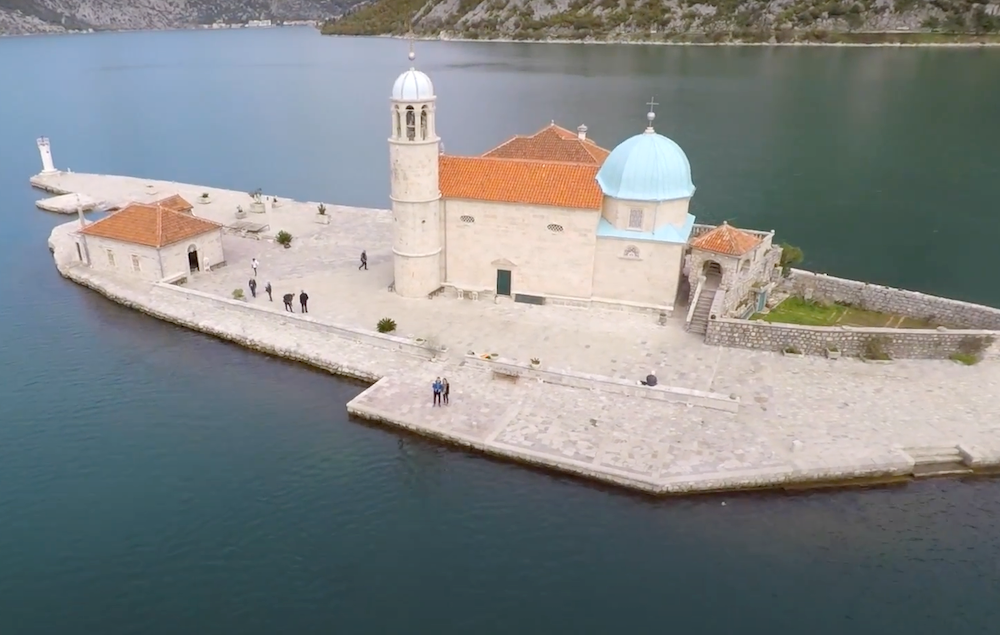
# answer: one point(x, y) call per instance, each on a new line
point(47, 16)
point(694, 21)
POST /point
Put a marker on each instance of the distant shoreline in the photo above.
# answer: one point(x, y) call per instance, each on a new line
point(426, 38)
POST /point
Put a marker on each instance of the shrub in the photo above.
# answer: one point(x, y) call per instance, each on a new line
point(204, 194)
point(386, 325)
point(536, 361)
point(283, 238)
point(237, 294)
point(964, 358)
point(974, 345)
point(833, 348)
point(792, 350)
point(875, 348)
point(321, 209)
point(790, 256)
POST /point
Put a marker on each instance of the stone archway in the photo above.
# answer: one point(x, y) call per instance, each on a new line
point(712, 271)
point(193, 263)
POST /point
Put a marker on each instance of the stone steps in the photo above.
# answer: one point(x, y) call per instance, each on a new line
point(937, 461)
point(699, 319)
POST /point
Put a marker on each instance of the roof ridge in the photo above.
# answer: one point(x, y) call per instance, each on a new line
point(159, 226)
point(509, 160)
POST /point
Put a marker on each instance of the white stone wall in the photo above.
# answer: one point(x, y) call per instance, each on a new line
point(153, 264)
point(637, 272)
point(654, 215)
point(482, 237)
point(113, 255)
point(209, 246)
point(414, 189)
point(739, 275)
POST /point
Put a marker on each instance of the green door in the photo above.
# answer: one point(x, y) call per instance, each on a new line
point(503, 282)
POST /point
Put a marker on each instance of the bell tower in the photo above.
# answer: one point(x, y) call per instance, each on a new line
point(413, 159)
point(45, 150)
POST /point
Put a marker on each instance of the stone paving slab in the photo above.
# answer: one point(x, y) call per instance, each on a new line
point(799, 419)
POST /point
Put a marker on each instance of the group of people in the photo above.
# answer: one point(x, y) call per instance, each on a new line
point(441, 391)
point(288, 298)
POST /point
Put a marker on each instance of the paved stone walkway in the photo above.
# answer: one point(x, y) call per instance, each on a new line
point(801, 418)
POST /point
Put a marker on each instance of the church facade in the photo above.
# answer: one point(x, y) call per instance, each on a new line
point(554, 218)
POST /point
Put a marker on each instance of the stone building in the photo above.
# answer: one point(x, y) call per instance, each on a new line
point(151, 241)
point(738, 264)
point(546, 218)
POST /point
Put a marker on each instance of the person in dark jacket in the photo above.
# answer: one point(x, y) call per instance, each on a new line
point(364, 261)
point(267, 287)
point(650, 379)
point(288, 298)
point(303, 299)
point(253, 287)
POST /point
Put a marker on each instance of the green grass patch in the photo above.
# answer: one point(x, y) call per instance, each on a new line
point(811, 313)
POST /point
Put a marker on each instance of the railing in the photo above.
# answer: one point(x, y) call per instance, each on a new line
point(694, 301)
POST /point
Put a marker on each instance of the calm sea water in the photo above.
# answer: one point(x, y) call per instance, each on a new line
point(156, 481)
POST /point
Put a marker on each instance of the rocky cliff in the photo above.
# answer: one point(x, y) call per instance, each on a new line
point(42, 16)
point(696, 21)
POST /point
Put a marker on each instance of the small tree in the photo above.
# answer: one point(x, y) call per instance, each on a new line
point(237, 294)
point(283, 238)
point(790, 256)
point(321, 209)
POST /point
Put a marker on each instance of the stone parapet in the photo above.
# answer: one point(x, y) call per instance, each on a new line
point(513, 369)
point(851, 342)
point(873, 297)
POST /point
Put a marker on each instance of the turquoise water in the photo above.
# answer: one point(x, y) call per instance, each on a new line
point(156, 481)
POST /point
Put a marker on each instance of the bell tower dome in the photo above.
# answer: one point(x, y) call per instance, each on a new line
point(413, 158)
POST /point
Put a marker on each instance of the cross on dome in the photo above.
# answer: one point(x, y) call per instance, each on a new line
point(650, 116)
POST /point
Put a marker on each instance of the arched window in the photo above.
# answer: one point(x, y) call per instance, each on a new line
point(423, 122)
point(411, 123)
point(399, 126)
point(631, 251)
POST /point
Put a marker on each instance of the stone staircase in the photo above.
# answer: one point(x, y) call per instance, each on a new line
point(937, 461)
point(699, 319)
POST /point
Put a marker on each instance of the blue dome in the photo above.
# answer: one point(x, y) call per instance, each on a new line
point(646, 167)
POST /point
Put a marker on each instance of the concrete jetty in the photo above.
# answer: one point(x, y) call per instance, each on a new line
point(722, 419)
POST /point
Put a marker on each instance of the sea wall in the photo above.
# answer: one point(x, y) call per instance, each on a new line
point(850, 341)
point(872, 297)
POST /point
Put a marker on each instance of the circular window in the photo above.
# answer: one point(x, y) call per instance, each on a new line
point(467, 219)
point(555, 228)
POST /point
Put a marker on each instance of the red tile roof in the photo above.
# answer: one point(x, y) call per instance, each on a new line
point(149, 225)
point(726, 239)
point(175, 202)
point(551, 143)
point(570, 185)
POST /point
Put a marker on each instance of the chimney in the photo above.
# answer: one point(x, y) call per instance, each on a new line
point(581, 132)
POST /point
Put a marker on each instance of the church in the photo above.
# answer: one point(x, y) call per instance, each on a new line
point(553, 218)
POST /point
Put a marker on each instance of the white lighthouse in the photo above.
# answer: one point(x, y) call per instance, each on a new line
point(45, 150)
point(413, 158)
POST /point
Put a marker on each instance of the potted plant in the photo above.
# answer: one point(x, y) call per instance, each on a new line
point(535, 363)
point(240, 212)
point(386, 325)
point(257, 206)
point(321, 216)
point(832, 351)
point(284, 239)
point(791, 351)
point(238, 294)
point(204, 198)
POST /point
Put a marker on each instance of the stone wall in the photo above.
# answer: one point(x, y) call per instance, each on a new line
point(852, 342)
point(951, 313)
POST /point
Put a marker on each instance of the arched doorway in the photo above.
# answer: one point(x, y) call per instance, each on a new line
point(193, 259)
point(713, 274)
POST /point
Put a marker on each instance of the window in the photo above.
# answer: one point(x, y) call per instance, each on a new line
point(135, 262)
point(411, 123)
point(399, 127)
point(555, 228)
point(631, 252)
point(111, 258)
point(79, 253)
point(635, 219)
point(423, 122)
point(467, 219)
